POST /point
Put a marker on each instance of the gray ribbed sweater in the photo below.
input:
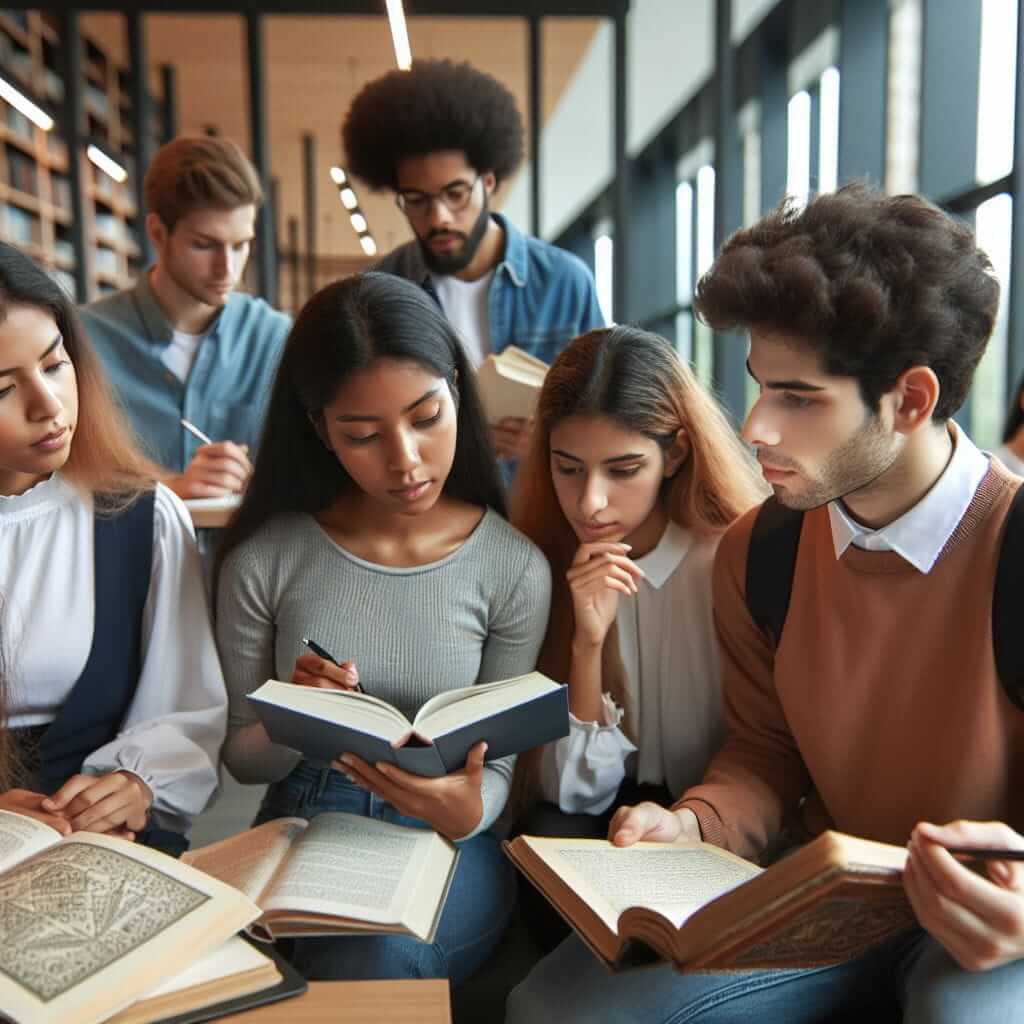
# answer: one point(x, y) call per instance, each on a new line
point(476, 616)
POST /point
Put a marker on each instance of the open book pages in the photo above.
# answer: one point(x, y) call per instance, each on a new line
point(337, 874)
point(90, 923)
point(509, 383)
point(704, 908)
point(510, 716)
point(439, 715)
point(674, 879)
point(232, 970)
point(212, 512)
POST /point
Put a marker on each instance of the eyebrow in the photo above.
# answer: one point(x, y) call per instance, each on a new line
point(785, 385)
point(212, 238)
point(49, 348)
point(629, 457)
point(423, 192)
point(356, 418)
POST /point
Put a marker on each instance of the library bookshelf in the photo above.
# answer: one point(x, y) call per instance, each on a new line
point(35, 191)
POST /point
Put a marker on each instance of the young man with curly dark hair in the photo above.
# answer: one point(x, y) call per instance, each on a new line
point(877, 702)
point(444, 137)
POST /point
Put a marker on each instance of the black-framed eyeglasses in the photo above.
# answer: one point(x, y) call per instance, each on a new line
point(455, 196)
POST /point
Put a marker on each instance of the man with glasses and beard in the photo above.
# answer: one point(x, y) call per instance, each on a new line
point(443, 137)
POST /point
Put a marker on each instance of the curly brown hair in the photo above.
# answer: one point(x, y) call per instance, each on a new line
point(437, 105)
point(875, 283)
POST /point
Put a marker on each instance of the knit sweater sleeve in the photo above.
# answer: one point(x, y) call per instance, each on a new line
point(758, 776)
point(513, 643)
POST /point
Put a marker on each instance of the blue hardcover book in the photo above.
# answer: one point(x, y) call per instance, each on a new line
point(511, 715)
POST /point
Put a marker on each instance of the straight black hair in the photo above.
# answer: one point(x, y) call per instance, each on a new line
point(342, 329)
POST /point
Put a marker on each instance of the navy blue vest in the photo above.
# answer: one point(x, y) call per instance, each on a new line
point(93, 712)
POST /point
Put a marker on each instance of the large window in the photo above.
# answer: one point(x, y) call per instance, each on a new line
point(996, 81)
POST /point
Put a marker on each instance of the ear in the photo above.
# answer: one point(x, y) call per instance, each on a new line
point(678, 453)
point(490, 182)
point(914, 398)
point(156, 230)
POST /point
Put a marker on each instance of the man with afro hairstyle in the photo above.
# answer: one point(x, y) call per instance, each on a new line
point(871, 692)
point(443, 137)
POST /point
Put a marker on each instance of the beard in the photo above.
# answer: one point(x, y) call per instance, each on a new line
point(459, 259)
point(857, 463)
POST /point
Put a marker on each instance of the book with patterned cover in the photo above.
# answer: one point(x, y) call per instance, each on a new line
point(702, 908)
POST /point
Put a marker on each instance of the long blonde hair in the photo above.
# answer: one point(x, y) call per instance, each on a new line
point(635, 378)
point(104, 459)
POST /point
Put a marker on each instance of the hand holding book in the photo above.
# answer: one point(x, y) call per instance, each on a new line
point(451, 804)
point(650, 822)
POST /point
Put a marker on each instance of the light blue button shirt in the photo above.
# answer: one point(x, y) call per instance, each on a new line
point(226, 391)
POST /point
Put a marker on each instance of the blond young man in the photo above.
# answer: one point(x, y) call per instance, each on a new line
point(183, 343)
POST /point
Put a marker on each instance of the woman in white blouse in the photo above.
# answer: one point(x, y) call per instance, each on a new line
point(116, 704)
point(633, 476)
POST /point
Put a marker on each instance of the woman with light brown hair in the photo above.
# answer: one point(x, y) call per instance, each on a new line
point(115, 703)
point(633, 476)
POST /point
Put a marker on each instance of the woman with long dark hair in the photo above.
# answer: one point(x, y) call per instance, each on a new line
point(374, 525)
point(116, 704)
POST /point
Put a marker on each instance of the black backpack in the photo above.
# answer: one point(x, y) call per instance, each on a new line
point(771, 563)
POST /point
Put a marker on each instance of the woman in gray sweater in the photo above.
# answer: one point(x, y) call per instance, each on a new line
point(374, 524)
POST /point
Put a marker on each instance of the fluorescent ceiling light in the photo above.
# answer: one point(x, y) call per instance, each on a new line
point(24, 105)
point(358, 222)
point(106, 164)
point(337, 176)
point(368, 244)
point(348, 198)
point(399, 35)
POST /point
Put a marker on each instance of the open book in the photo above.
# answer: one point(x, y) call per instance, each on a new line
point(703, 908)
point(511, 715)
point(509, 383)
point(89, 923)
point(212, 512)
point(231, 971)
point(339, 874)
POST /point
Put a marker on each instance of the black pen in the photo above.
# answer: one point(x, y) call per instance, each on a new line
point(321, 653)
point(985, 853)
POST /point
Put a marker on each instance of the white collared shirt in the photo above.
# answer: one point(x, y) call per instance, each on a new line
point(174, 726)
point(670, 656)
point(920, 534)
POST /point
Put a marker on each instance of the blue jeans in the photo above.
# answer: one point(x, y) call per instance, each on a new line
point(911, 974)
point(474, 918)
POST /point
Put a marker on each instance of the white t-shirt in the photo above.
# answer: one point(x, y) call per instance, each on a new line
point(465, 305)
point(181, 353)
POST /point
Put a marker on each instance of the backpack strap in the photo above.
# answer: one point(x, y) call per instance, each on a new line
point(1007, 602)
point(771, 565)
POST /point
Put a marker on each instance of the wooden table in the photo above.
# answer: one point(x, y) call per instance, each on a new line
point(349, 1002)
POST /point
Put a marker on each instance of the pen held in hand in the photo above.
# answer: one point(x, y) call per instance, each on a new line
point(322, 653)
point(195, 431)
point(985, 853)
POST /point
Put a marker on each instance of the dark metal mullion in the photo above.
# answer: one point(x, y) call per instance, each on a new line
point(169, 83)
point(728, 354)
point(814, 154)
point(309, 208)
point(73, 114)
point(261, 154)
point(1015, 321)
point(620, 189)
point(534, 56)
point(138, 71)
point(863, 64)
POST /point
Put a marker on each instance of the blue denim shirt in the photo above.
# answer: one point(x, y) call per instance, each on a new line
point(541, 296)
point(226, 390)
